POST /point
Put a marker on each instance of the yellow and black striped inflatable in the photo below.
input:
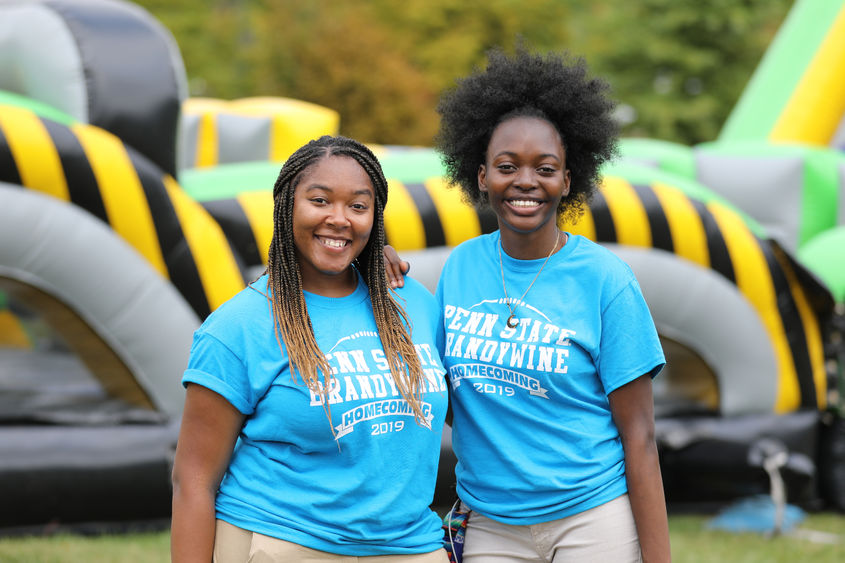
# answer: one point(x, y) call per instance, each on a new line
point(98, 172)
point(714, 236)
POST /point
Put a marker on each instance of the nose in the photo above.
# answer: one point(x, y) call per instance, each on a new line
point(525, 178)
point(337, 217)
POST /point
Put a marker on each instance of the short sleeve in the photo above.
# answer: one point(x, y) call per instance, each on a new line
point(629, 344)
point(213, 365)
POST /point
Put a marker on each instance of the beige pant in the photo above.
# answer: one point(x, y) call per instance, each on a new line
point(605, 534)
point(236, 545)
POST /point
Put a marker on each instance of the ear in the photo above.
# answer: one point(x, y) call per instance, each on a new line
point(482, 177)
point(567, 179)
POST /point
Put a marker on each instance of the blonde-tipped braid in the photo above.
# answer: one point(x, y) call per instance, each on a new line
point(293, 328)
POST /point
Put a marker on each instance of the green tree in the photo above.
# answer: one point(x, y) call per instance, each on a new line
point(680, 64)
point(382, 63)
point(215, 38)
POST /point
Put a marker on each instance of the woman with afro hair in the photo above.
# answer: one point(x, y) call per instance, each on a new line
point(549, 345)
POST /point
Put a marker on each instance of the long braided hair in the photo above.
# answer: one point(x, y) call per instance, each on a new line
point(293, 328)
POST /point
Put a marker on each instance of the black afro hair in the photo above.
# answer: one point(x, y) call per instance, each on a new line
point(555, 87)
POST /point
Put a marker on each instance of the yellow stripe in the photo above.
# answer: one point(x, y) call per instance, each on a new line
point(198, 105)
point(294, 128)
point(258, 208)
point(292, 124)
point(688, 235)
point(123, 196)
point(35, 154)
point(402, 221)
point(629, 216)
point(280, 145)
point(459, 220)
point(817, 105)
point(754, 282)
point(207, 141)
point(585, 225)
point(812, 331)
point(12, 333)
point(210, 250)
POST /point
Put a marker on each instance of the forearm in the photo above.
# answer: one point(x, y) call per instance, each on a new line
point(192, 527)
point(645, 491)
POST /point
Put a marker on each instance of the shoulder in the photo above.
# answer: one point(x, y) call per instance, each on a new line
point(418, 302)
point(414, 292)
point(471, 249)
point(476, 243)
point(601, 259)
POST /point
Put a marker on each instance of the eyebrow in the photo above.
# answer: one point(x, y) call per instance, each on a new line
point(513, 154)
point(362, 191)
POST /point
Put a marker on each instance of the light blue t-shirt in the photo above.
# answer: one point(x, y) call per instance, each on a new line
point(532, 427)
point(368, 491)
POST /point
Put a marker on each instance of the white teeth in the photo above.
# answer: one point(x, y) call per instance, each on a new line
point(524, 203)
point(334, 243)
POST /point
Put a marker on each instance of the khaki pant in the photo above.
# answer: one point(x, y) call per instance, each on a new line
point(605, 534)
point(236, 545)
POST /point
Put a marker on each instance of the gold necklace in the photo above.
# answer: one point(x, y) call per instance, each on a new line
point(512, 321)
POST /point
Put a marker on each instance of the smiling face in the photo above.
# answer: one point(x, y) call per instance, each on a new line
point(333, 213)
point(525, 176)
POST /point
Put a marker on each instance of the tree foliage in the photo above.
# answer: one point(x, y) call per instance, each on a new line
point(678, 66)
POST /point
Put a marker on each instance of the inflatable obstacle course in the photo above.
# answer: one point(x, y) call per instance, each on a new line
point(730, 275)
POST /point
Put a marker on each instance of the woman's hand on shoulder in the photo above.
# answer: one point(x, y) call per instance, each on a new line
point(395, 267)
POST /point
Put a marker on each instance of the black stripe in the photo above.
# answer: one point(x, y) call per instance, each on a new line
point(232, 219)
point(720, 258)
point(81, 181)
point(602, 219)
point(174, 247)
point(661, 234)
point(793, 325)
point(130, 80)
point(433, 228)
point(8, 168)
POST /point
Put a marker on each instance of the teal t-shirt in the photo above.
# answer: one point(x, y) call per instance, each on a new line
point(532, 428)
point(365, 490)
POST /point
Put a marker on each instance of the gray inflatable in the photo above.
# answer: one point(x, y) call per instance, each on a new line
point(128, 325)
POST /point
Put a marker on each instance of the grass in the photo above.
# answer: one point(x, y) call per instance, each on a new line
point(692, 542)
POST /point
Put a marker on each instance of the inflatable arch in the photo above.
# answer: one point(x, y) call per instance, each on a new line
point(642, 210)
point(104, 298)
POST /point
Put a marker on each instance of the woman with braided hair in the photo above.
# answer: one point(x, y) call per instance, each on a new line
point(551, 349)
point(312, 423)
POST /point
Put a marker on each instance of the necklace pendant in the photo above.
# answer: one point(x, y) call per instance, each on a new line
point(512, 321)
